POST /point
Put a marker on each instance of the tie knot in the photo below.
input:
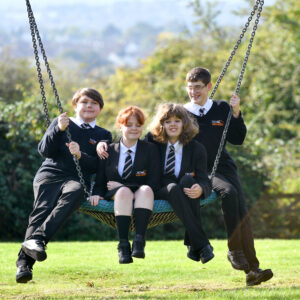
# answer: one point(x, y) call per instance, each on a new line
point(172, 148)
point(86, 126)
point(129, 151)
point(201, 112)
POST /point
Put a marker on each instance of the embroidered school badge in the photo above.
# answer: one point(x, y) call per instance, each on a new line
point(141, 173)
point(93, 142)
point(190, 174)
point(217, 123)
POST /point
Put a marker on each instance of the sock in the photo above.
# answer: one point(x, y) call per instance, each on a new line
point(123, 223)
point(141, 219)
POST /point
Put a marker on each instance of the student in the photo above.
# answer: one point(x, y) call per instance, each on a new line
point(211, 116)
point(57, 189)
point(183, 165)
point(129, 176)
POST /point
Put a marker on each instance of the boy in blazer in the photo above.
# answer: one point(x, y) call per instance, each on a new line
point(129, 173)
point(184, 177)
point(211, 117)
point(57, 189)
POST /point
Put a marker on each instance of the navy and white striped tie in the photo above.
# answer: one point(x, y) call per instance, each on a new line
point(170, 165)
point(128, 165)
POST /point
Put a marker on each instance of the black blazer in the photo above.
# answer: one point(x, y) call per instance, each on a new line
point(145, 168)
point(194, 163)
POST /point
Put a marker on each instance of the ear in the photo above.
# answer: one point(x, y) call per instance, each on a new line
point(209, 86)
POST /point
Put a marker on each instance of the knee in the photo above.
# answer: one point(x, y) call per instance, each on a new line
point(173, 188)
point(146, 191)
point(186, 181)
point(124, 193)
point(230, 193)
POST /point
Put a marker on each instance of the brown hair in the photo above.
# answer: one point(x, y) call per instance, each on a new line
point(199, 74)
point(126, 113)
point(89, 92)
point(166, 111)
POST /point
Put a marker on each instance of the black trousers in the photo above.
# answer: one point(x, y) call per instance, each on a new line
point(55, 201)
point(185, 208)
point(236, 215)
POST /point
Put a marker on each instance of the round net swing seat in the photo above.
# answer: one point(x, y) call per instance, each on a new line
point(162, 211)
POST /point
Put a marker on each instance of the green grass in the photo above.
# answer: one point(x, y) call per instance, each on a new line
point(90, 270)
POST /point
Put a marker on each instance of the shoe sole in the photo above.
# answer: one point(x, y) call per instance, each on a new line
point(138, 254)
point(125, 262)
point(36, 255)
point(238, 267)
point(24, 277)
point(204, 261)
point(193, 257)
point(263, 278)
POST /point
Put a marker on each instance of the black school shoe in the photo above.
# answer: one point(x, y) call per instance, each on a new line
point(124, 251)
point(138, 246)
point(238, 260)
point(35, 249)
point(193, 254)
point(206, 254)
point(24, 274)
point(258, 276)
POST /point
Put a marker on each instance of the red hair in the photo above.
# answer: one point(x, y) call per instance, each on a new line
point(125, 114)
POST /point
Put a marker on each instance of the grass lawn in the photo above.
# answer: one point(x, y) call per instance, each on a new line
point(90, 270)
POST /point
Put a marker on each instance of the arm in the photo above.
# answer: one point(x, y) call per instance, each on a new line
point(153, 178)
point(50, 143)
point(237, 129)
point(201, 175)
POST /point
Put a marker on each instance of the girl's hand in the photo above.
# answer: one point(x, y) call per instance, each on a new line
point(102, 150)
point(113, 184)
point(94, 200)
point(235, 103)
point(74, 149)
point(63, 121)
point(194, 192)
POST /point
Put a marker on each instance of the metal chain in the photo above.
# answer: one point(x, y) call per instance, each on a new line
point(222, 142)
point(236, 46)
point(35, 34)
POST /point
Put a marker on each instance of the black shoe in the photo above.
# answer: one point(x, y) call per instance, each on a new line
point(138, 246)
point(24, 274)
point(35, 249)
point(193, 254)
point(258, 276)
point(124, 252)
point(238, 260)
point(206, 254)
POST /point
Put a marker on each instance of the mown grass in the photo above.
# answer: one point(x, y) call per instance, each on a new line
point(90, 270)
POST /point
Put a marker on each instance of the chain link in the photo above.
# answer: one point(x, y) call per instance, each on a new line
point(35, 35)
point(259, 4)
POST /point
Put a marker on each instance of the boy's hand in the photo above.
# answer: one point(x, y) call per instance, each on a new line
point(194, 192)
point(235, 103)
point(74, 149)
point(102, 150)
point(113, 184)
point(63, 121)
point(94, 200)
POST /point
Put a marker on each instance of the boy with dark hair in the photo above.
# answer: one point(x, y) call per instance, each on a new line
point(57, 189)
point(211, 116)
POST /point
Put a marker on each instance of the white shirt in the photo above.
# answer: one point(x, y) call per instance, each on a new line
point(123, 155)
point(78, 121)
point(194, 108)
point(178, 156)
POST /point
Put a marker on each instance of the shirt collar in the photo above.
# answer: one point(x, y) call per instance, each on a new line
point(78, 121)
point(177, 146)
point(194, 108)
point(124, 149)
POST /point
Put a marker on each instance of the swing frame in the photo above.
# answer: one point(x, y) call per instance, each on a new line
point(162, 211)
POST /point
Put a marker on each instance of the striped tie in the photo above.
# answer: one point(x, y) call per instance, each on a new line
point(128, 166)
point(86, 126)
point(170, 165)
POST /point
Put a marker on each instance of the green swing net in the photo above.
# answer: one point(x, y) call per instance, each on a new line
point(162, 210)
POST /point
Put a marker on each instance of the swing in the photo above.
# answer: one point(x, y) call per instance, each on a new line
point(162, 210)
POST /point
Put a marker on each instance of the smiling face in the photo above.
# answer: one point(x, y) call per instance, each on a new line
point(198, 91)
point(132, 130)
point(87, 109)
point(173, 128)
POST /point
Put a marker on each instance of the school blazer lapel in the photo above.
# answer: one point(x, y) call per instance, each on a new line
point(115, 159)
point(186, 154)
point(138, 159)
